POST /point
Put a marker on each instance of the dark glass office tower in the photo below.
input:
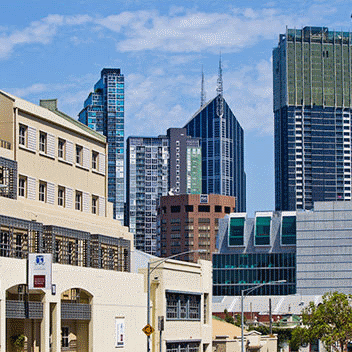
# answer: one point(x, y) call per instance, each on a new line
point(104, 112)
point(312, 109)
point(221, 138)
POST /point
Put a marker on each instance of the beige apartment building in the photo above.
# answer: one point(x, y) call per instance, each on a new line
point(53, 201)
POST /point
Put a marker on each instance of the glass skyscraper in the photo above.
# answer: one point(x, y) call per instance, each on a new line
point(104, 112)
point(221, 138)
point(312, 107)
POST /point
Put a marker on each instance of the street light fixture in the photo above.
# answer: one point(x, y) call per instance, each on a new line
point(245, 293)
point(160, 261)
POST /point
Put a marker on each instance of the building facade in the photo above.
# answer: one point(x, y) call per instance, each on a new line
point(324, 249)
point(312, 108)
point(221, 138)
point(155, 166)
point(53, 207)
point(185, 170)
point(190, 222)
point(180, 294)
point(255, 251)
point(104, 112)
point(147, 180)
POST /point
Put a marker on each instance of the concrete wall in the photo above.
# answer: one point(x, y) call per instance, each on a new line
point(184, 277)
point(114, 294)
point(324, 248)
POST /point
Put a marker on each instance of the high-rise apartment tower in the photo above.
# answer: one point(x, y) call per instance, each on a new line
point(157, 166)
point(104, 112)
point(312, 106)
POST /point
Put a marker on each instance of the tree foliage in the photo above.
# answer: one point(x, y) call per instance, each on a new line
point(329, 321)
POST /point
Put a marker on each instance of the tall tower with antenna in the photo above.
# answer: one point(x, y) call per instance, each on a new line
point(202, 92)
point(219, 91)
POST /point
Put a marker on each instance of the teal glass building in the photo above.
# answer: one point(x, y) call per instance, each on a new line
point(104, 112)
point(255, 251)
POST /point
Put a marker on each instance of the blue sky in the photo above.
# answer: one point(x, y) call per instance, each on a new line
point(57, 49)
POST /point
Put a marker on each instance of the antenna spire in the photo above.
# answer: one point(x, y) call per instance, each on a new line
point(219, 91)
point(202, 93)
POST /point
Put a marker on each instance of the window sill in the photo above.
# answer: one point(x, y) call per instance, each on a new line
point(47, 155)
point(98, 172)
point(65, 161)
point(82, 167)
point(21, 146)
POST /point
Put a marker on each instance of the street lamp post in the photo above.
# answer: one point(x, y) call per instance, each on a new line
point(243, 294)
point(160, 261)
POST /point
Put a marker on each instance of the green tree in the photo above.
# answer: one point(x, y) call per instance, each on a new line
point(329, 321)
point(18, 342)
point(228, 317)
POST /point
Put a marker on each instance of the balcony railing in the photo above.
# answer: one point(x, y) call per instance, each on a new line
point(24, 309)
point(5, 144)
point(75, 311)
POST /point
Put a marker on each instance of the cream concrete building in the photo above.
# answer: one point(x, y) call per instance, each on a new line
point(181, 295)
point(53, 200)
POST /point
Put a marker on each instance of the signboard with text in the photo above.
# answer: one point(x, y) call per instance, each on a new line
point(39, 271)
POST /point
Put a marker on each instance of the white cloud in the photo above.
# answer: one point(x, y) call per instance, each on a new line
point(37, 32)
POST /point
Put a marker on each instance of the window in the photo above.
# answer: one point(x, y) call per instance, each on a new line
point(61, 148)
point(288, 230)
point(182, 347)
point(78, 203)
point(65, 336)
point(218, 208)
point(61, 196)
point(182, 306)
point(189, 208)
point(175, 208)
point(95, 160)
point(22, 134)
point(236, 232)
point(94, 204)
point(42, 191)
point(262, 230)
point(22, 186)
point(42, 142)
point(79, 154)
point(204, 208)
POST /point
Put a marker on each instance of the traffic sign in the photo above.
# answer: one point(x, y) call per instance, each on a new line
point(148, 329)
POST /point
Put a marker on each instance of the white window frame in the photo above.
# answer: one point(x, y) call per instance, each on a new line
point(22, 188)
point(61, 196)
point(22, 135)
point(61, 148)
point(42, 191)
point(79, 200)
point(43, 142)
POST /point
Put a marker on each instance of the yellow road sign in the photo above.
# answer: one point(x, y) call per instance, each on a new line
point(148, 329)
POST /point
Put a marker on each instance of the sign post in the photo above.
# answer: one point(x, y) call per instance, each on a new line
point(39, 269)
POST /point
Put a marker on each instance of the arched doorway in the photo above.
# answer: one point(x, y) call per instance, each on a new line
point(24, 315)
point(75, 320)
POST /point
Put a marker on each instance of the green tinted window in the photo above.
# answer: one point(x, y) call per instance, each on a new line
point(236, 232)
point(288, 234)
point(262, 231)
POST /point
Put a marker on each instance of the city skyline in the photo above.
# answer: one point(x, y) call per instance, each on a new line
point(57, 51)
